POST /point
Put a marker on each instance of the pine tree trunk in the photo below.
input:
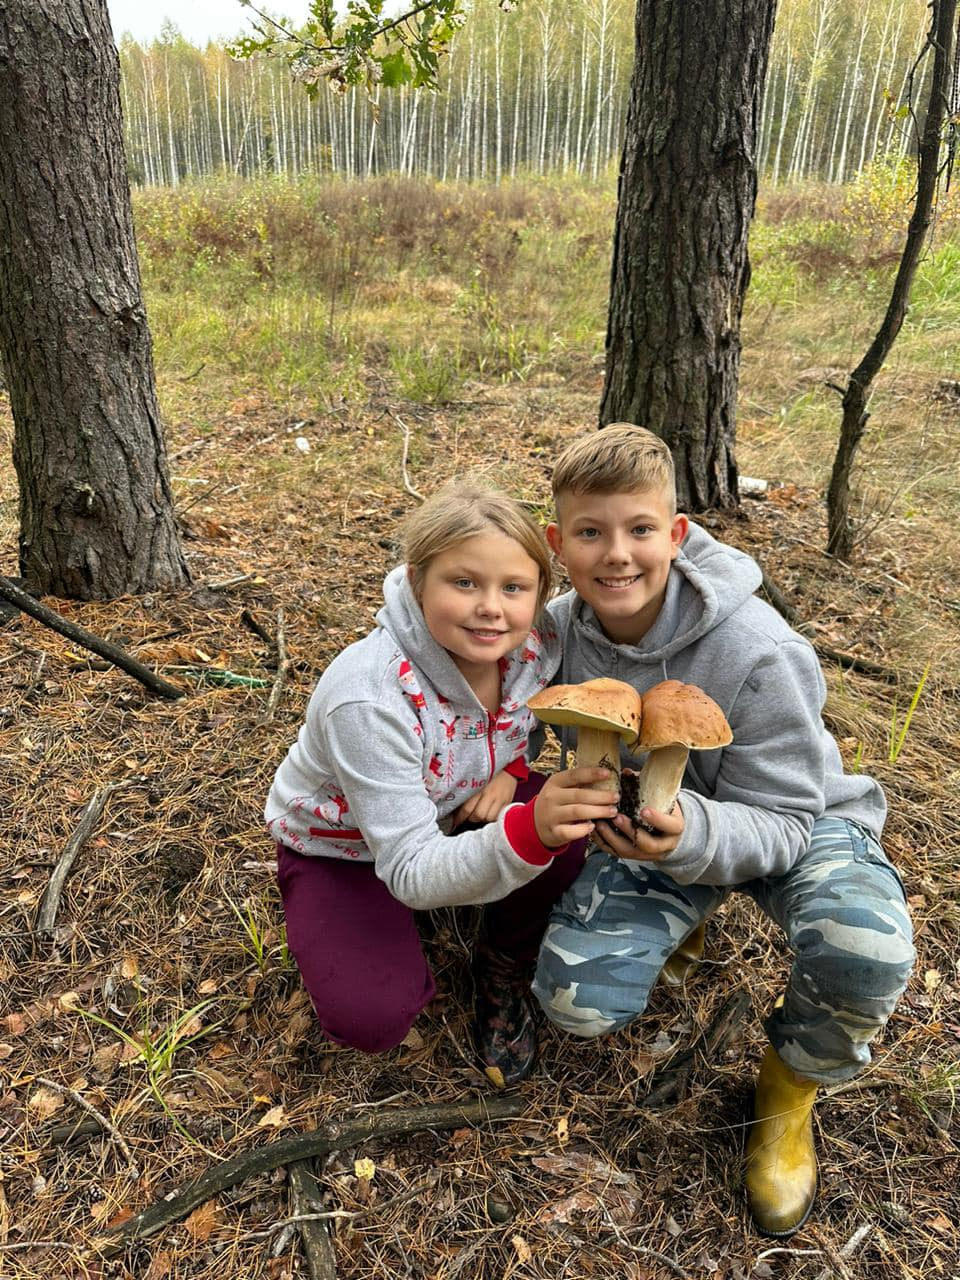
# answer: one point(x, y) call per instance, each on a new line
point(680, 266)
point(96, 509)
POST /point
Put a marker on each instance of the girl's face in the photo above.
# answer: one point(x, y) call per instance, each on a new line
point(479, 599)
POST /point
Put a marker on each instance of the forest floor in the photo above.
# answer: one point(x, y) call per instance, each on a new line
point(166, 1000)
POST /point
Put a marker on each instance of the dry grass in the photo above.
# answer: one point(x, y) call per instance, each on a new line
point(589, 1183)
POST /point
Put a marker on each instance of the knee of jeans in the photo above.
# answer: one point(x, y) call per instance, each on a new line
point(866, 978)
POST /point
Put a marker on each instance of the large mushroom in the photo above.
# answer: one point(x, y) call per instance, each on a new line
point(677, 719)
point(604, 712)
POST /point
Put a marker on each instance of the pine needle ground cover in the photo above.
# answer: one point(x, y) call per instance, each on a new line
point(314, 369)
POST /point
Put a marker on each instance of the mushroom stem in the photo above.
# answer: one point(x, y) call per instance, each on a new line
point(600, 748)
point(659, 780)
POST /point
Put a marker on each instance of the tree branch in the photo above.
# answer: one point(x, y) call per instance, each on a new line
point(332, 1137)
point(80, 635)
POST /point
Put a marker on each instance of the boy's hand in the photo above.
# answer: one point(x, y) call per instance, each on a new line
point(487, 804)
point(570, 804)
point(621, 839)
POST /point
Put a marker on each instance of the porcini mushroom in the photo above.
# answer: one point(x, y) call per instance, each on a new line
point(604, 712)
point(676, 719)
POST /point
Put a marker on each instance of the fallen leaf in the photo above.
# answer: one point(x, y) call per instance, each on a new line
point(524, 1253)
point(45, 1102)
point(563, 1130)
point(569, 1208)
point(940, 1222)
point(275, 1118)
point(932, 979)
point(495, 1076)
point(207, 987)
point(201, 1223)
point(6, 1051)
point(69, 1001)
point(159, 1267)
point(15, 1023)
point(129, 967)
point(121, 1216)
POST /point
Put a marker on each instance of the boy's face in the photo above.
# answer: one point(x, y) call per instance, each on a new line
point(617, 549)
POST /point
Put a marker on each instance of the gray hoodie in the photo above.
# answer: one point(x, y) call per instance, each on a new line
point(393, 742)
point(748, 808)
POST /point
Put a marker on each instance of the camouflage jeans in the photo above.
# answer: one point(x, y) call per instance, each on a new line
point(842, 908)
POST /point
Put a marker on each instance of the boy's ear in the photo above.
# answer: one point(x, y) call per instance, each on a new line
point(678, 531)
point(555, 539)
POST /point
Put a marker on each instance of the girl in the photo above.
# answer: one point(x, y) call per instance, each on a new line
point(416, 730)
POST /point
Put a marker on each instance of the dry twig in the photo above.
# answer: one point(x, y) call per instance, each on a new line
point(87, 640)
point(102, 1120)
point(321, 1141)
point(46, 916)
point(314, 1235)
point(414, 493)
point(283, 666)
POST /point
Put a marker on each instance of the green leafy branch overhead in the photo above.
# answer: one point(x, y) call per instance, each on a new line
point(363, 48)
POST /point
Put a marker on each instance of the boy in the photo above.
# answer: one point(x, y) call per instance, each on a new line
point(655, 597)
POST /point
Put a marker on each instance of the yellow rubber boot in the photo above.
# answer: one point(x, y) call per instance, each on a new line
point(781, 1176)
point(685, 961)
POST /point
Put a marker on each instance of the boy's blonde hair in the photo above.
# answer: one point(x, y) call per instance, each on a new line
point(621, 458)
point(465, 509)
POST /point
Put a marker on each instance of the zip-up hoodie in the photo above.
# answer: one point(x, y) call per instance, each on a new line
point(393, 742)
point(748, 808)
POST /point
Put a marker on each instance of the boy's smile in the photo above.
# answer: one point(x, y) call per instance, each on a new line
point(617, 549)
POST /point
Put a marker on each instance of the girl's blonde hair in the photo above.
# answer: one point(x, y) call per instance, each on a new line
point(465, 509)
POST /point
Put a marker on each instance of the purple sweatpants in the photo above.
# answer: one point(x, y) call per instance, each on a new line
point(358, 948)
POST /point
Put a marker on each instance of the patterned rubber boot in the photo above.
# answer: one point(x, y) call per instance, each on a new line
point(505, 1030)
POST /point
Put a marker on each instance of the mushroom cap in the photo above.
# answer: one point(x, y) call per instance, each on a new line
point(676, 714)
point(611, 706)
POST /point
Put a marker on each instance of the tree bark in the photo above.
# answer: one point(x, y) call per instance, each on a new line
point(96, 510)
point(680, 267)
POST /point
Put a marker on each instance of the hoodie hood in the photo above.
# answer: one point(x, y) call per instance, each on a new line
point(402, 617)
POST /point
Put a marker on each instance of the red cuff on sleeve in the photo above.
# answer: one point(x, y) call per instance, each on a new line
point(521, 831)
point(518, 769)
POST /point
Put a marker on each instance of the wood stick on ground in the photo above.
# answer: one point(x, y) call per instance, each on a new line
point(102, 1120)
point(668, 1085)
point(314, 1233)
point(251, 623)
point(87, 640)
point(414, 493)
point(47, 914)
point(848, 661)
point(331, 1137)
point(847, 1251)
point(283, 666)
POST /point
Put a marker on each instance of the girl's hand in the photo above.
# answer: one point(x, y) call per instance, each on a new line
point(487, 804)
point(568, 806)
point(621, 839)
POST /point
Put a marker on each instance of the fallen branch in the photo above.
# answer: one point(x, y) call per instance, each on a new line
point(838, 1257)
point(314, 1233)
point(283, 666)
point(414, 493)
point(87, 640)
point(251, 623)
point(668, 1085)
point(285, 1151)
point(106, 1124)
point(47, 914)
point(848, 661)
